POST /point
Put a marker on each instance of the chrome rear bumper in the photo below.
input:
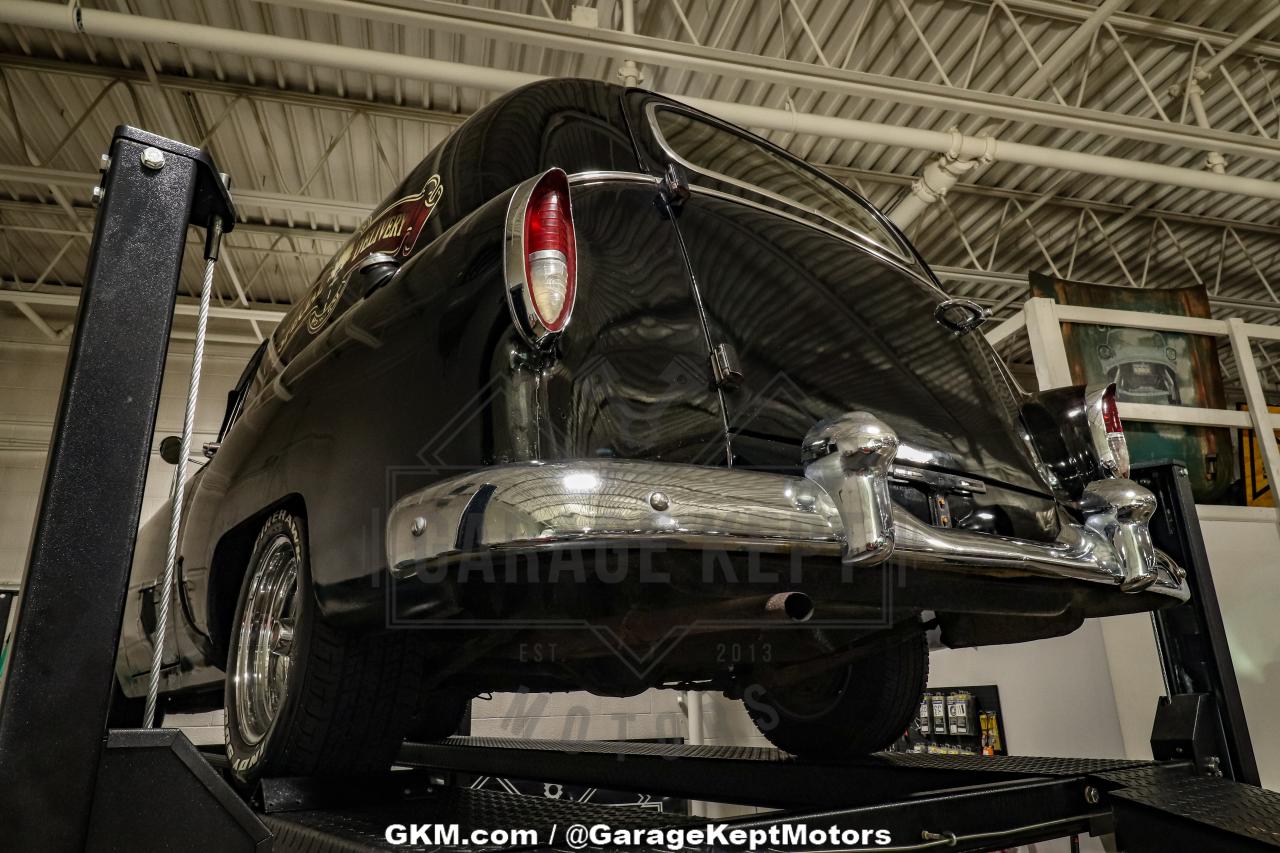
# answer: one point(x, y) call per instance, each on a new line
point(840, 510)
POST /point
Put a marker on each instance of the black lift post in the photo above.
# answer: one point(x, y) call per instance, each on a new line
point(1203, 708)
point(59, 773)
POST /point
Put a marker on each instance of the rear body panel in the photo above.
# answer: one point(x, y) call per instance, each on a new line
point(823, 327)
point(629, 378)
point(834, 313)
point(365, 396)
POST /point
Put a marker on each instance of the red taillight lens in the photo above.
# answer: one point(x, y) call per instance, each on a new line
point(1116, 442)
point(1111, 411)
point(550, 253)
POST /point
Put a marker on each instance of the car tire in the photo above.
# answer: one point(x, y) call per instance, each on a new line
point(304, 698)
point(856, 709)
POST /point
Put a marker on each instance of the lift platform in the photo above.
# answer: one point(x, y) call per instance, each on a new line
point(970, 802)
point(70, 784)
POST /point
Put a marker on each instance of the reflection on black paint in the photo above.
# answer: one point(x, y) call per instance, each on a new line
point(824, 328)
point(632, 380)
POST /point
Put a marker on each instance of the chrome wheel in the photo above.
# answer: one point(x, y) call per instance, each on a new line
point(264, 645)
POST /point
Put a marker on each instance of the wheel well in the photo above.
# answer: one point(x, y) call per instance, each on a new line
point(228, 567)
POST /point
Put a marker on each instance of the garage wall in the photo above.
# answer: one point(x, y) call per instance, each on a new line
point(1055, 695)
point(31, 373)
point(1246, 571)
point(1136, 679)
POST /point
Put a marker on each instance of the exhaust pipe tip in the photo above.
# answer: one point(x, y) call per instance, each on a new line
point(793, 606)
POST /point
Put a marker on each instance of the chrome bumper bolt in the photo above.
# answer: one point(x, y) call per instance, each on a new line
point(419, 526)
point(659, 502)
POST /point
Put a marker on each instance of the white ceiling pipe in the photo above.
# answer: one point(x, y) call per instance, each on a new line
point(96, 22)
point(1018, 281)
point(939, 176)
point(975, 146)
point(1214, 160)
point(1142, 25)
point(1246, 35)
point(117, 25)
point(935, 179)
point(1076, 44)
point(244, 197)
point(260, 312)
point(628, 71)
point(541, 31)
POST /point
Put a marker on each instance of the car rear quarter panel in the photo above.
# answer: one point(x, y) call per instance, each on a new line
point(427, 377)
point(395, 392)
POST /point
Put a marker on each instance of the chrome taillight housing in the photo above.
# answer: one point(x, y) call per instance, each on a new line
point(541, 257)
point(1103, 415)
point(1077, 436)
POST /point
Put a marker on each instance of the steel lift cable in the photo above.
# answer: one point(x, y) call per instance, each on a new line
point(213, 237)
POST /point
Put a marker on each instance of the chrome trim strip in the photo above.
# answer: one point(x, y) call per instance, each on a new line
point(915, 270)
point(587, 179)
point(632, 503)
point(651, 111)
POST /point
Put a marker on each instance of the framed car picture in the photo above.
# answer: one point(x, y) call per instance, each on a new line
point(1152, 367)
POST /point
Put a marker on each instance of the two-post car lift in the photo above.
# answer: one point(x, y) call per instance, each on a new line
point(68, 783)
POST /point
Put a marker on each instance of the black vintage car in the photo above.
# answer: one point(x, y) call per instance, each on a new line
point(612, 395)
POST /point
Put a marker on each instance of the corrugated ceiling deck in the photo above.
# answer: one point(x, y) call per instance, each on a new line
point(271, 123)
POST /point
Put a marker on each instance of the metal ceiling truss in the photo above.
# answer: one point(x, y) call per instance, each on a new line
point(1202, 249)
point(796, 70)
point(819, 58)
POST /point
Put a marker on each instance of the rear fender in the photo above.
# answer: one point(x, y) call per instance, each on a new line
point(365, 411)
point(1058, 423)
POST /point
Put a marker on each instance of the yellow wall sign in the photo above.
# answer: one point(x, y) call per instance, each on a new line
point(1257, 491)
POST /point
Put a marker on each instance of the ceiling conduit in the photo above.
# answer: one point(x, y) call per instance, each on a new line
point(940, 176)
point(547, 32)
point(935, 179)
point(95, 22)
point(1215, 161)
